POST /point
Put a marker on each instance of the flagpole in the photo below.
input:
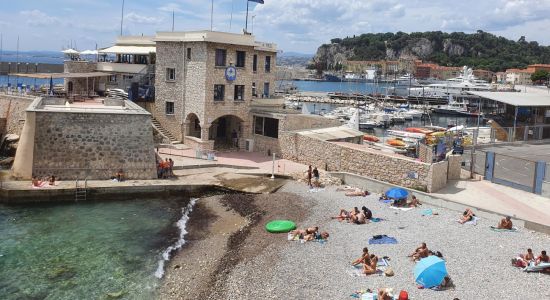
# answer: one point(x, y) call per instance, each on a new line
point(173, 12)
point(122, 18)
point(231, 19)
point(246, 22)
point(212, 16)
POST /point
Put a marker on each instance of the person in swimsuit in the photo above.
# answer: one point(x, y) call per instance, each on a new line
point(357, 193)
point(467, 216)
point(343, 215)
point(367, 212)
point(353, 215)
point(414, 202)
point(420, 252)
point(316, 177)
point(505, 223)
point(529, 256)
point(363, 257)
point(309, 174)
point(309, 232)
point(370, 267)
point(543, 258)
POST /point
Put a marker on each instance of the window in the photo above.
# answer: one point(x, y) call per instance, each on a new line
point(268, 64)
point(254, 93)
point(266, 90)
point(189, 53)
point(219, 92)
point(255, 63)
point(221, 55)
point(112, 78)
point(169, 108)
point(127, 77)
point(170, 74)
point(241, 59)
point(266, 126)
point(239, 92)
point(197, 124)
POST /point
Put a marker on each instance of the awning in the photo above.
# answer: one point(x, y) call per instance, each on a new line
point(332, 133)
point(62, 75)
point(129, 50)
point(516, 99)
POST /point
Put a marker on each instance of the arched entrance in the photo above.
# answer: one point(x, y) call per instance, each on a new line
point(193, 126)
point(226, 132)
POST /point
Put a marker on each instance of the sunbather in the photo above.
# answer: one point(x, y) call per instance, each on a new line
point(385, 294)
point(357, 192)
point(360, 218)
point(467, 216)
point(399, 202)
point(367, 212)
point(543, 258)
point(353, 215)
point(529, 256)
point(414, 202)
point(505, 223)
point(302, 234)
point(370, 267)
point(523, 260)
point(363, 257)
point(37, 183)
point(420, 252)
point(343, 215)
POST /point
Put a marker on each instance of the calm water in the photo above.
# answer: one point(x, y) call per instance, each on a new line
point(85, 250)
point(26, 81)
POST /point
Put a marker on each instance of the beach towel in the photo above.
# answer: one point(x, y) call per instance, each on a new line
point(402, 208)
point(376, 220)
point(364, 295)
point(494, 228)
point(382, 239)
point(385, 201)
point(315, 190)
point(539, 268)
point(427, 212)
point(292, 238)
point(471, 222)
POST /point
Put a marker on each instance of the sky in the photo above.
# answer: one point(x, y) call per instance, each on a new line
point(295, 25)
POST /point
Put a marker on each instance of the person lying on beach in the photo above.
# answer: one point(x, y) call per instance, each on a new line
point(414, 202)
point(543, 258)
point(37, 183)
point(385, 294)
point(370, 267)
point(357, 193)
point(399, 202)
point(420, 252)
point(523, 260)
point(383, 197)
point(346, 188)
point(364, 256)
point(467, 216)
point(302, 234)
point(343, 215)
point(318, 236)
point(358, 217)
point(505, 223)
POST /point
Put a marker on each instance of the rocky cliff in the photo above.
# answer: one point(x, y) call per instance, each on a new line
point(479, 50)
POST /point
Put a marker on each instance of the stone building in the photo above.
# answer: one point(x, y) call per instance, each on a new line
point(205, 82)
point(92, 139)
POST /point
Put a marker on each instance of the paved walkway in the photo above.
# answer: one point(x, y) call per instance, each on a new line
point(498, 198)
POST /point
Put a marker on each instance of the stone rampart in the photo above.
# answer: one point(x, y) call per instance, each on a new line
point(94, 145)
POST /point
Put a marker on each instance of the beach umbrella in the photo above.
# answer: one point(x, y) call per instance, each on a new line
point(70, 51)
point(430, 271)
point(397, 193)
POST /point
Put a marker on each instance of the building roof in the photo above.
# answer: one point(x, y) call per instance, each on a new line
point(139, 50)
point(516, 99)
point(215, 37)
point(331, 133)
point(62, 75)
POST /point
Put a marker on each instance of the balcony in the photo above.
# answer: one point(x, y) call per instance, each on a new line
point(121, 68)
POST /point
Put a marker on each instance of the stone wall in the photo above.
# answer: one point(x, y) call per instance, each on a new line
point(293, 122)
point(80, 85)
point(12, 108)
point(437, 177)
point(266, 144)
point(339, 158)
point(93, 145)
point(425, 153)
point(455, 167)
point(11, 67)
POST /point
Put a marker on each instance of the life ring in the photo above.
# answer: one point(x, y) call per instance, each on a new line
point(280, 226)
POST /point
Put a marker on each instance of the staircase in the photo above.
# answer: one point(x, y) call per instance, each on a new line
point(80, 192)
point(165, 133)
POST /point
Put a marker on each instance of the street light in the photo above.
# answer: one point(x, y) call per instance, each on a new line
point(253, 16)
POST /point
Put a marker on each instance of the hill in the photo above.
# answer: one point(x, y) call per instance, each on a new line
point(480, 50)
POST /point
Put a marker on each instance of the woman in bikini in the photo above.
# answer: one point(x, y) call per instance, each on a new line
point(467, 216)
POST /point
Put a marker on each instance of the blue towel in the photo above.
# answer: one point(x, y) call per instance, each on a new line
point(375, 220)
point(383, 240)
point(385, 201)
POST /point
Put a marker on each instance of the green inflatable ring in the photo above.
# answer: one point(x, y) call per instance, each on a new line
point(280, 226)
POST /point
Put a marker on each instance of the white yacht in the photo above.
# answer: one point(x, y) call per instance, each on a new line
point(454, 86)
point(457, 108)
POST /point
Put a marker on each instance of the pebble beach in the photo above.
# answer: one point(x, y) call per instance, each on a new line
point(477, 258)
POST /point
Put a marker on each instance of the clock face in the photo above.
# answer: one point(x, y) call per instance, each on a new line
point(231, 73)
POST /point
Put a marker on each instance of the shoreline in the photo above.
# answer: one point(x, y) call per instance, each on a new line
point(225, 231)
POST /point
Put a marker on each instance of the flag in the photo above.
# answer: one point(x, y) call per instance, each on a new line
point(257, 1)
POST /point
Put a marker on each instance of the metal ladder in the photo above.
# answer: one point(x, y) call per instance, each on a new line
point(80, 192)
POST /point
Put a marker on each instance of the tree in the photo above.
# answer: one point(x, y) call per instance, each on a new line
point(540, 76)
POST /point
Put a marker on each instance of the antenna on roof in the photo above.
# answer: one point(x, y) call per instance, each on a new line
point(173, 13)
point(212, 16)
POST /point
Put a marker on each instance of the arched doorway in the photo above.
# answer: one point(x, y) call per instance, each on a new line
point(193, 126)
point(226, 132)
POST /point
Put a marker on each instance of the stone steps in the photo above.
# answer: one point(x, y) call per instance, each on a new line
point(156, 124)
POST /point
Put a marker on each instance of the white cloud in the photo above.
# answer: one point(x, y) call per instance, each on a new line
point(171, 7)
point(38, 18)
point(133, 17)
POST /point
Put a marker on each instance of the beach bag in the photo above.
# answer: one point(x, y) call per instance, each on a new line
point(389, 272)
